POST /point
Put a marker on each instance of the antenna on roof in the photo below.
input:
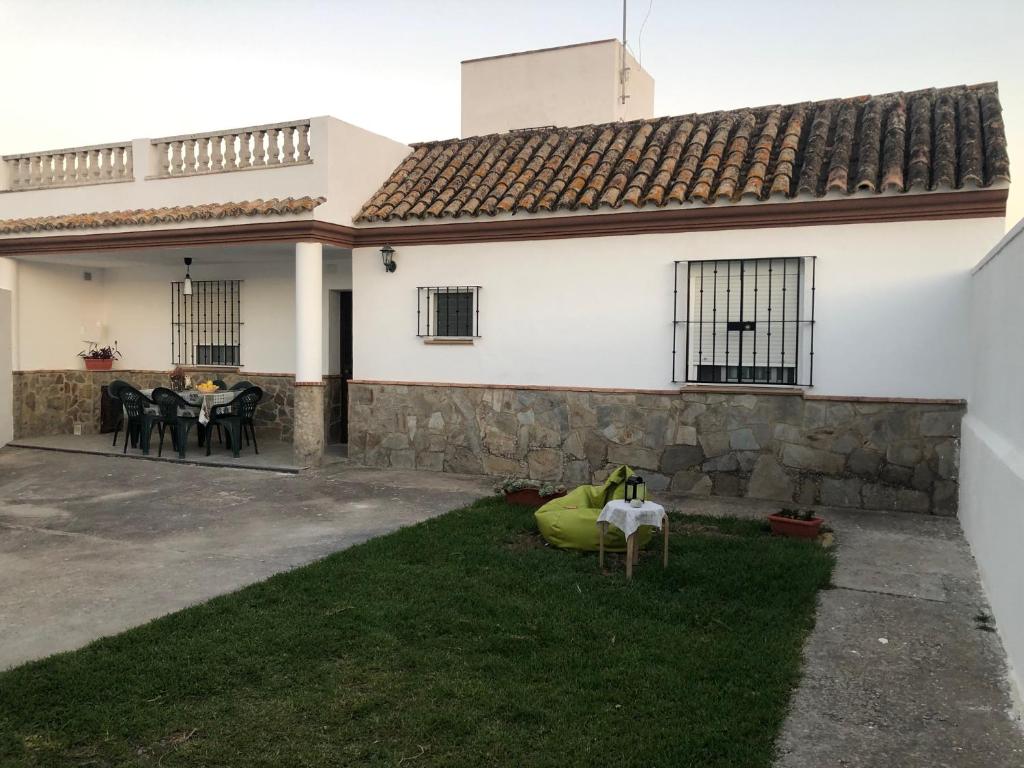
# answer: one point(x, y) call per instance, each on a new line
point(624, 70)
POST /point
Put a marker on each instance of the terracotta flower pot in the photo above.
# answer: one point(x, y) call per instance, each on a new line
point(529, 497)
point(98, 363)
point(796, 529)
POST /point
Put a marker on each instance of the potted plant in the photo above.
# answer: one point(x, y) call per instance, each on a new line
point(99, 358)
point(528, 493)
point(178, 378)
point(795, 523)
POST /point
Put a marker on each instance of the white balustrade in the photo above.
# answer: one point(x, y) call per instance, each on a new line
point(258, 146)
point(71, 167)
point(255, 147)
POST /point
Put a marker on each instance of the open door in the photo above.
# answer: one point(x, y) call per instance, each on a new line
point(345, 336)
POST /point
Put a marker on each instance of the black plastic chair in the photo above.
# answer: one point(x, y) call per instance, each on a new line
point(176, 414)
point(112, 392)
point(220, 384)
point(139, 421)
point(236, 417)
point(242, 385)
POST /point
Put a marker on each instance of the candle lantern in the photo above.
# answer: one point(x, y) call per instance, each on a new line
point(636, 490)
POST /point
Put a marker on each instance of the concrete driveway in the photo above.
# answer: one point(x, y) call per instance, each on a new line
point(91, 545)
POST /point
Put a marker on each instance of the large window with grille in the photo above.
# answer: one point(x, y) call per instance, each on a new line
point(744, 321)
point(206, 325)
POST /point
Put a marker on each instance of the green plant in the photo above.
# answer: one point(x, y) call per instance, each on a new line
point(512, 484)
point(797, 514)
point(96, 352)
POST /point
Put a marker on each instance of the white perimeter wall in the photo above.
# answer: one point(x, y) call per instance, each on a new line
point(892, 306)
point(992, 451)
point(6, 383)
point(58, 310)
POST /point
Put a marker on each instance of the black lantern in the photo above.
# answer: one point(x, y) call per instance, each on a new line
point(186, 287)
point(387, 255)
point(636, 489)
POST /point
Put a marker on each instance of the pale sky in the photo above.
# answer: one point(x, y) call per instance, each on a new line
point(79, 72)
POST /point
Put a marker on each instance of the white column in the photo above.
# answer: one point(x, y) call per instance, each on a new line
point(9, 282)
point(309, 312)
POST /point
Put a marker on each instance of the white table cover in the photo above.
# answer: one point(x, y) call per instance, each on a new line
point(204, 402)
point(628, 518)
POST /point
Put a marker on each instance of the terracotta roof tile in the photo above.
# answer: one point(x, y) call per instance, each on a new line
point(143, 216)
point(936, 139)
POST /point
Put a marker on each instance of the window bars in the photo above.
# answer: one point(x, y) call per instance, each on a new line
point(744, 321)
point(448, 311)
point(206, 326)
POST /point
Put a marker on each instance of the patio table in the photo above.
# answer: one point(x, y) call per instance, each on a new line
point(203, 401)
point(628, 519)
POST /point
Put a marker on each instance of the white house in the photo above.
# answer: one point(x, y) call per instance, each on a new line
point(770, 302)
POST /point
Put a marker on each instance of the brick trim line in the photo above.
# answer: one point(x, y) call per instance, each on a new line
point(922, 206)
point(682, 391)
point(309, 384)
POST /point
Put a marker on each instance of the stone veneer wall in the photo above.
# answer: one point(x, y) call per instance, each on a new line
point(51, 402)
point(899, 455)
point(334, 407)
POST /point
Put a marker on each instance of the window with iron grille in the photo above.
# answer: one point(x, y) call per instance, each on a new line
point(451, 311)
point(206, 325)
point(744, 321)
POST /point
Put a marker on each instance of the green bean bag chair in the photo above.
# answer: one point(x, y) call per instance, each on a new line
point(570, 522)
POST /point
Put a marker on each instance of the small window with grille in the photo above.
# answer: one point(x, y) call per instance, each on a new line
point(448, 311)
point(206, 324)
point(744, 321)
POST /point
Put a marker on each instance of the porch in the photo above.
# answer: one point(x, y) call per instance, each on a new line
point(274, 314)
point(274, 455)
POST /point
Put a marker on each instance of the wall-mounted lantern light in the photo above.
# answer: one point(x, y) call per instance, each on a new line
point(186, 288)
point(387, 255)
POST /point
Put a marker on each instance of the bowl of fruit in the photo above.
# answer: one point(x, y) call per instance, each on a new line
point(207, 387)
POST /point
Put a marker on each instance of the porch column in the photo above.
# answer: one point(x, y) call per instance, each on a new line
point(308, 440)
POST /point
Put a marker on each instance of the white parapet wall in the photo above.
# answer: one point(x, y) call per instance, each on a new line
point(992, 452)
point(320, 157)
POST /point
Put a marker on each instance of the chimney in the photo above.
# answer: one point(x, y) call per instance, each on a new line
point(596, 82)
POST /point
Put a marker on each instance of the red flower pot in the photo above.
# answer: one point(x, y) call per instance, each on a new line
point(98, 363)
point(529, 497)
point(796, 529)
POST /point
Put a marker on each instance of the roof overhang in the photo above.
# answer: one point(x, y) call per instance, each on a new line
point(931, 206)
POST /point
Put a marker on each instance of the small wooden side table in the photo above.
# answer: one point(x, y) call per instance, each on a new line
point(628, 519)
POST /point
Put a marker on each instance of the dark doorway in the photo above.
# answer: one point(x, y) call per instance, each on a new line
point(346, 362)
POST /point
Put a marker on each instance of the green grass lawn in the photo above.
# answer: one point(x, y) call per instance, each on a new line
point(462, 641)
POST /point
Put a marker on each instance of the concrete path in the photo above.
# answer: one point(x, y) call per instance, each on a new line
point(902, 668)
point(91, 545)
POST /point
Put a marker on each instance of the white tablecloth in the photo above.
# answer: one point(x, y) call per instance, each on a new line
point(204, 402)
point(628, 518)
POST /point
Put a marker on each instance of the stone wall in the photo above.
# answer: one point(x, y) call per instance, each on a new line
point(334, 408)
point(52, 402)
point(852, 453)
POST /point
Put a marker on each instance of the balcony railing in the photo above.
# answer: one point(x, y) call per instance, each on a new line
point(257, 147)
point(98, 164)
point(238, 149)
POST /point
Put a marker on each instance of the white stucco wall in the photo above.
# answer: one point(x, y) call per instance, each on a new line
point(131, 304)
point(6, 382)
point(572, 85)
point(891, 310)
point(992, 452)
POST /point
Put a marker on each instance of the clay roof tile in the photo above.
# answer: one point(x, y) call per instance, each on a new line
point(934, 139)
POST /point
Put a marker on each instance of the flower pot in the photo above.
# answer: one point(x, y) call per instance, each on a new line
point(529, 497)
point(796, 529)
point(98, 363)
